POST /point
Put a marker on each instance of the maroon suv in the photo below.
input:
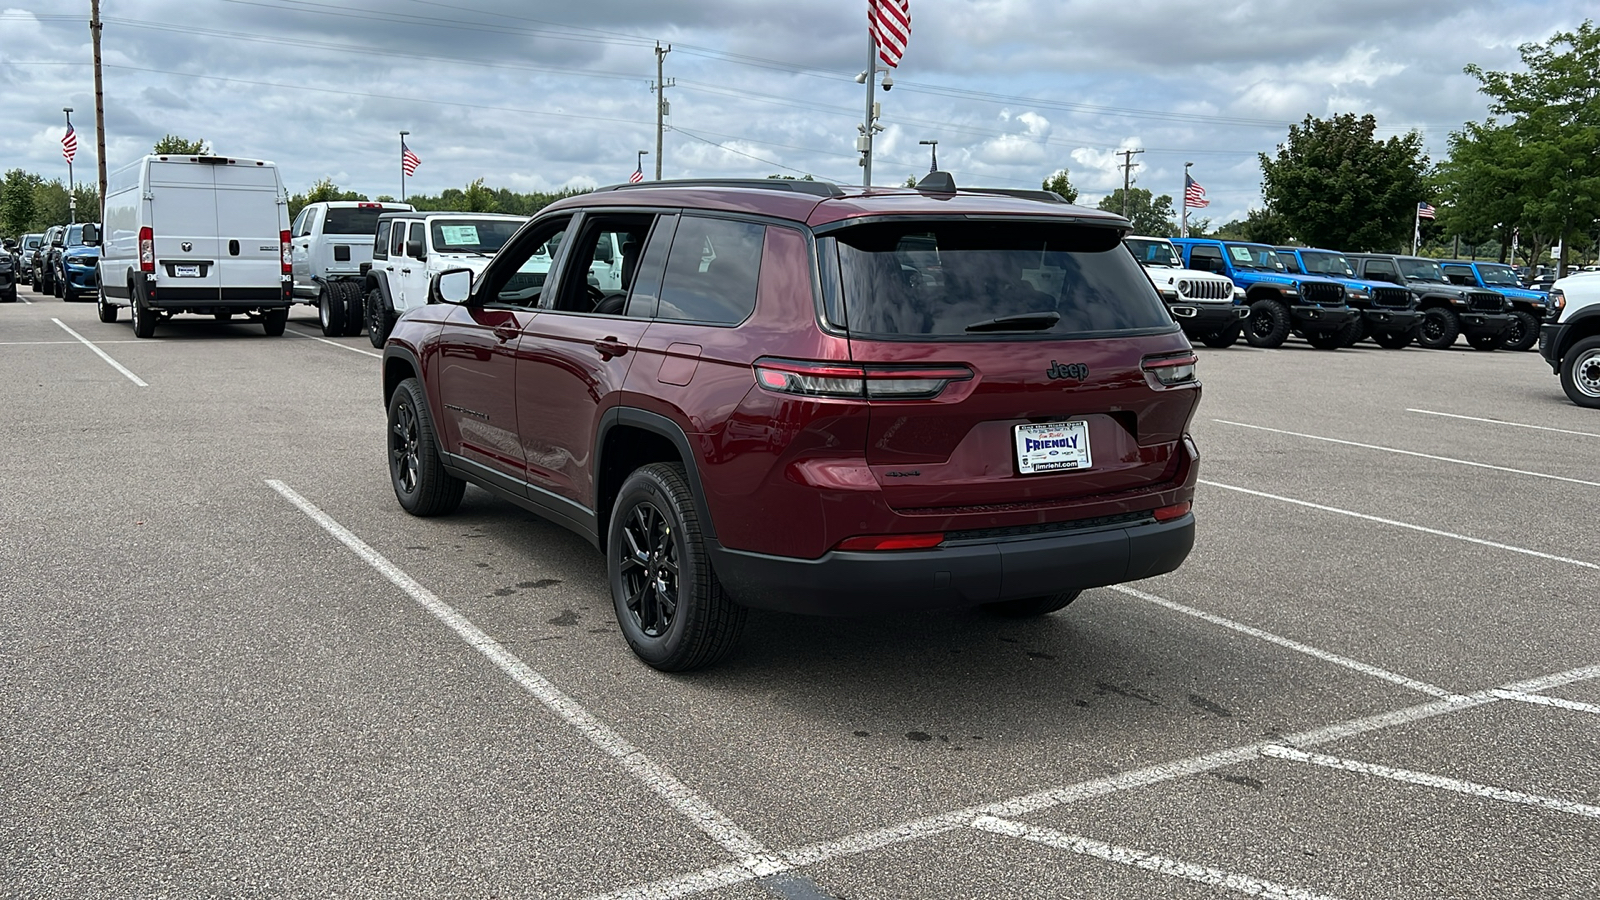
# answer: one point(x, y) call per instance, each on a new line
point(788, 395)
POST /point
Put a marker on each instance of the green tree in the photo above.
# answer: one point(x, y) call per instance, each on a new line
point(322, 191)
point(1334, 184)
point(180, 146)
point(1061, 184)
point(1552, 117)
point(19, 209)
point(479, 198)
point(1149, 214)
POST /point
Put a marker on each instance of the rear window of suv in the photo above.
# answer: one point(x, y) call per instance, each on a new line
point(922, 280)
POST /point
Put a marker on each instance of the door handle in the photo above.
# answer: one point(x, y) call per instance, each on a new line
point(405, 271)
point(506, 332)
point(609, 347)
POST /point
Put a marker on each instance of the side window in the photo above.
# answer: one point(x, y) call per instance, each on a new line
point(1460, 275)
point(517, 276)
point(397, 245)
point(712, 271)
point(1206, 259)
point(419, 235)
point(1382, 270)
point(1291, 262)
point(380, 244)
point(299, 227)
point(603, 263)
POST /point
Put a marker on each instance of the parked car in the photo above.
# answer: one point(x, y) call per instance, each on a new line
point(8, 277)
point(1448, 311)
point(331, 241)
point(1528, 307)
point(1389, 313)
point(1570, 340)
point(803, 397)
point(43, 275)
point(410, 247)
point(26, 248)
point(1280, 303)
point(206, 235)
point(74, 268)
point(1207, 307)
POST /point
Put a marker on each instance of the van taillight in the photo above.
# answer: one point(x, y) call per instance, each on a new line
point(147, 250)
point(288, 257)
point(852, 382)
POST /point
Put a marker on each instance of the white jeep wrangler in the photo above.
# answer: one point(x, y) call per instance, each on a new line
point(409, 248)
point(1208, 307)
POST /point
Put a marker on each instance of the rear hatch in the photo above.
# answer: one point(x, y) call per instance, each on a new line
point(1031, 343)
point(250, 223)
point(183, 220)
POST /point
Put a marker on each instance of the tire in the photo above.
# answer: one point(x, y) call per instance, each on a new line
point(1393, 340)
point(1523, 334)
point(1440, 328)
point(108, 312)
point(330, 311)
point(355, 310)
point(9, 295)
point(1580, 372)
point(416, 471)
point(1029, 607)
point(1268, 325)
point(39, 285)
point(58, 288)
point(1224, 337)
point(144, 318)
point(1326, 340)
point(1354, 332)
point(273, 321)
point(380, 319)
point(669, 603)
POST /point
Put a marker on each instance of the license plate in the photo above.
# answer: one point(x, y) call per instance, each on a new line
point(186, 271)
point(1052, 447)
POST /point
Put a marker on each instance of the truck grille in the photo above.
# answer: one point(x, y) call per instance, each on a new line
point(1485, 301)
point(1397, 298)
point(1323, 294)
point(1205, 290)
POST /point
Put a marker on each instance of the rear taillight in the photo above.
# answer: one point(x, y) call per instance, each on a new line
point(1172, 371)
point(1175, 511)
point(285, 249)
point(850, 382)
point(891, 542)
point(147, 250)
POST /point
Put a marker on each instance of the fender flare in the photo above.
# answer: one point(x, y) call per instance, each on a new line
point(379, 280)
point(1586, 319)
point(654, 423)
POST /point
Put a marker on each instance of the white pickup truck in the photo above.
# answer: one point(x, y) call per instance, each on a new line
point(330, 240)
point(1569, 339)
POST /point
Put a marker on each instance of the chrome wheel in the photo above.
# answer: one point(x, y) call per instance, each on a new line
point(648, 554)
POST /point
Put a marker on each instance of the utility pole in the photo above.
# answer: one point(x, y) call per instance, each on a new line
point(1127, 176)
point(99, 105)
point(869, 122)
point(660, 87)
point(72, 199)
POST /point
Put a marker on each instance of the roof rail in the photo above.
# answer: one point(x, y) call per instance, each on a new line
point(794, 186)
point(1024, 193)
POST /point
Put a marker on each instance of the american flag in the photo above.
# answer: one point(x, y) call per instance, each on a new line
point(408, 160)
point(69, 144)
point(890, 24)
point(1194, 194)
point(1424, 211)
point(637, 176)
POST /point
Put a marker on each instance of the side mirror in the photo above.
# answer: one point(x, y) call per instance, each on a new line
point(415, 250)
point(452, 286)
point(91, 235)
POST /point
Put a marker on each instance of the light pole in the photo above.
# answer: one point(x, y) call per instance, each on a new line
point(403, 165)
point(933, 149)
point(72, 200)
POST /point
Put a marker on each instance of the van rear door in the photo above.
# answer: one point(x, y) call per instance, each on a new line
point(250, 222)
point(183, 218)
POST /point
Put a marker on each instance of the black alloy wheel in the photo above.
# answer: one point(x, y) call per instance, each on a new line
point(1524, 332)
point(648, 558)
point(1440, 328)
point(420, 481)
point(1268, 325)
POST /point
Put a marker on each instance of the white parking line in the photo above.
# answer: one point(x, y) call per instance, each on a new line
point(752, 856)
point(313, 337)
point(1140, 859)
point(1429, 412)
point(103, 355)
point(1356, 665)
point(1422, 528)
point(863, 842)
point(1426, 779)
point(1448, 459)
point(1542, 700)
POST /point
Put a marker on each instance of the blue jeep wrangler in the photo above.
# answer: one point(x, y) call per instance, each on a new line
point(1280, 303)
point(1389, 313)
point(1528, 308)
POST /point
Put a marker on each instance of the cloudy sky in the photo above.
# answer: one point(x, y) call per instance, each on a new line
point(534, 94)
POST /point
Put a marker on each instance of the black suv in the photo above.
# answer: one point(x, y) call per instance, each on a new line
point(1448, 311)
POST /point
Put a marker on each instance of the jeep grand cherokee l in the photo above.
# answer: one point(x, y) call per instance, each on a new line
point(801, 397)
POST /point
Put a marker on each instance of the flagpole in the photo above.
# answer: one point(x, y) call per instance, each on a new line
point(403, 165)
point(1416, 230)
point(872, 78)
point(1183, 224)
point(72, 201)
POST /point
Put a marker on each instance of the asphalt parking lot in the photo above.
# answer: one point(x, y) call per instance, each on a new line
point(232, 666)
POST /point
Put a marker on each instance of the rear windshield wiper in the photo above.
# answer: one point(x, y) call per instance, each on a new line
point(1022, 322)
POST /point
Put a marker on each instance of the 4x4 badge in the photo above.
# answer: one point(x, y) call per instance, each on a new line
point(1076, 371)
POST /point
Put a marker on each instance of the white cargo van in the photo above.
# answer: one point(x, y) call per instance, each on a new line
point(196, 234)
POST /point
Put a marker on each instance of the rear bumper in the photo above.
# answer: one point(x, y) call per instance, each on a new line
point(1392, 321)
point(1321, 318)
point(1484, 324)
point(954, 576)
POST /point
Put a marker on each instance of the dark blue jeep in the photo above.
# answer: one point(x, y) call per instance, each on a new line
point(1280, 303)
